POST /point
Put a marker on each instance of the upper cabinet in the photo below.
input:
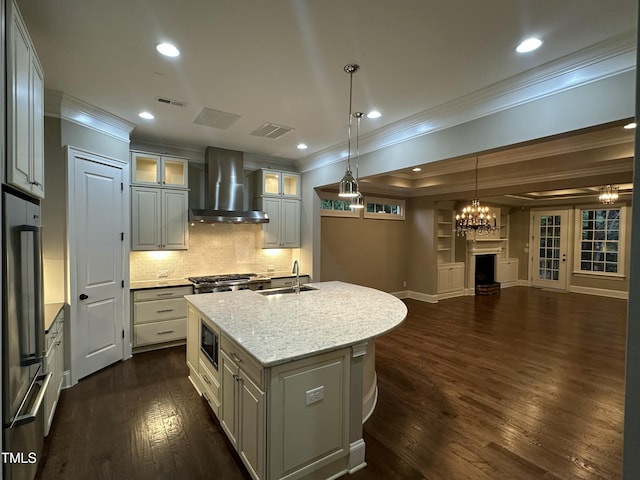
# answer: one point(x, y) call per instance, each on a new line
point(159, 202)
point(277, 183)
point(159, 170)
point(25, 108)
point(278, 194)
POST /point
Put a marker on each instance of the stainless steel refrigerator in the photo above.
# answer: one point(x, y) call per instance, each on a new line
point(23, 382)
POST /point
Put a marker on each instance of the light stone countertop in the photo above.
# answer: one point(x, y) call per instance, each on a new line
point(51, 311)
point(281, 328)
point(159, 283)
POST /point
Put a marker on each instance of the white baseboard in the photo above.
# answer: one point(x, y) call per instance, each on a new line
point(356, 456)
point(624, 295)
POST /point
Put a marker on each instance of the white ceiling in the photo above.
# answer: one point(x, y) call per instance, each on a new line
point(282, 61)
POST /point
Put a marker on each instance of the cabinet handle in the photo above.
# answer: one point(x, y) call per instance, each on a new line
point(165, 332)
point(36, 184)
point(163, 294)
point(166, 310)
point(235, 358)
point(206, 380)
point(206, 397)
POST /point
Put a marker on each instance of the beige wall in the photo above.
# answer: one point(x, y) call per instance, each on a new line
point(422, 266)
point(58, 134)
point(365, 252)
point(54, 206)
point(519, 239)
point(215, 249)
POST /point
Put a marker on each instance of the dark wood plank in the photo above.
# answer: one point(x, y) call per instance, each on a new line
point(524, 385)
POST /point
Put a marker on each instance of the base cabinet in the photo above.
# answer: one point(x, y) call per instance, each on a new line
point(507, 271)
point(54, 364)
point(159, 317)
point(450, 277)
point(305, 430)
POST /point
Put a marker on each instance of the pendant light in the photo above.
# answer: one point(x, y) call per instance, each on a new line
point(348, 185)
point(357, 202)
point(474, 217)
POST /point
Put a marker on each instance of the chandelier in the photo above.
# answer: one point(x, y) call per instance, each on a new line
point(608, 194)
point(474, 217)
point(348, 185)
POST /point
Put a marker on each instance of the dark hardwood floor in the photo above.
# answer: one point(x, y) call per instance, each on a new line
point(524, 385)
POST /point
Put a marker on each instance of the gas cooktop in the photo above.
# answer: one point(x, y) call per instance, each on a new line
point(222, 278)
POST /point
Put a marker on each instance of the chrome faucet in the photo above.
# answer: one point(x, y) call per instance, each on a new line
point(296, 270)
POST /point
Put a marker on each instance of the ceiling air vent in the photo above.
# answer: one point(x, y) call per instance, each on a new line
point(171, 101)
point(216, 118)
point(271, 130)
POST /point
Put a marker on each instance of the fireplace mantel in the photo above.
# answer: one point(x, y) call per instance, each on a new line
point(485, 246)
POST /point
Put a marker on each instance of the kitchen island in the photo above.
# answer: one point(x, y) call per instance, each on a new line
point(291, 376)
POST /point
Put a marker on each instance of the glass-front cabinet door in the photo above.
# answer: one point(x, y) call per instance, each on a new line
point(279, 183)
point(157, 170)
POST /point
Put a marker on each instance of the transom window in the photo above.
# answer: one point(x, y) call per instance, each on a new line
point(600, 248)
point(384, 208)
point(333, 206)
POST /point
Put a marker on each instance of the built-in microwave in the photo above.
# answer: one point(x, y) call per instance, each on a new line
point(209, 343)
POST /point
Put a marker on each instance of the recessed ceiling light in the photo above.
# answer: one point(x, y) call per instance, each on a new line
point(416, 169)
point(146, 115)
point(630, 126)
point(374, 114)
point(529, 45)
point(302, 146)
point(168, 50)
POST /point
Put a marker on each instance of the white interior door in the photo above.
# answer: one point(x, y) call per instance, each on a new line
point(96, 235)
point(549, 244)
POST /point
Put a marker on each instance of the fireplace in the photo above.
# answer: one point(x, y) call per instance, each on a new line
point(485, 275)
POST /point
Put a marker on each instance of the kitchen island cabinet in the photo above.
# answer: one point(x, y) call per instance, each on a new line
point(293, 373)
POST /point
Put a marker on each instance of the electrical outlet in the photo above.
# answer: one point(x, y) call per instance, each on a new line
point(163, 273)
point(404, 283)
point(270, 268)
point(315, 395)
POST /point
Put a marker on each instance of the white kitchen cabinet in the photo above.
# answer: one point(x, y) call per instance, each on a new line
point(283, 229)
point(159, 170)
point(159, 317)
point(270, 183)
point(54, 364)
point(507, 271)
point(243, 406)
point(25, 108)
point(159, 219)
point(450, 277)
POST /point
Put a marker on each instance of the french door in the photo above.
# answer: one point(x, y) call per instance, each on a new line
point(549, 247)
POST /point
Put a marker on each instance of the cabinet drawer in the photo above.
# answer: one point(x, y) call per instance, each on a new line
point(159, 332)
point(161, 293)
point(211, 386)
point(243, 360)
point(157, 310)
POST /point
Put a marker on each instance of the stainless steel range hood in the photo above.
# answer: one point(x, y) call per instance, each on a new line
point(225, 190)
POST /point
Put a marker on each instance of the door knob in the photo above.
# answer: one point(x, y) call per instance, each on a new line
point(83, 296)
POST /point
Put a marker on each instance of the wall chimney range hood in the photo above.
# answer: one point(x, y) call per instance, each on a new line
point(225, 190)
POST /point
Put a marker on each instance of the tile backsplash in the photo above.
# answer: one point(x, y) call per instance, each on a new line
point(213, 249)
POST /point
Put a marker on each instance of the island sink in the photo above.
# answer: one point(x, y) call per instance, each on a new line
point(277, 291)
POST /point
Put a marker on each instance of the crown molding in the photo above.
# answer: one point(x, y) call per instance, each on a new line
point(60, 105)
point(611, 57)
